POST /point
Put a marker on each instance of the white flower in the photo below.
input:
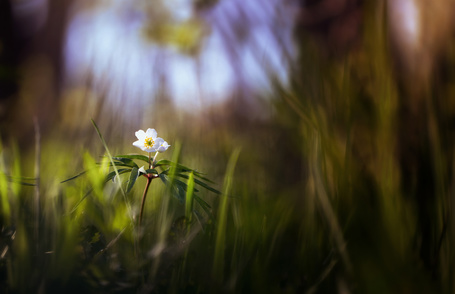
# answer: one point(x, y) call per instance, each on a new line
point(163, 145)
point(147, 141)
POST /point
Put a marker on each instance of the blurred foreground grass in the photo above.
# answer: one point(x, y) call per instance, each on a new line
point(56, 237)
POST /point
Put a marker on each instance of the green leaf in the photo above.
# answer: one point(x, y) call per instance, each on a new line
point(120, 171)
point(74, 177)
point(134, 156)
point(165, 172)
point(175, 170)
point(151, 171)
point(82, 199)
point(162, 162)
point(205, 206)
point(189, 197)
point(25, 183)
point(119, 164)
point(125, 162)
point(133, 177)
point(165, 162)
point(201, 184)
point(180, 190)
point(21, 180)
point(179, 168)
point(200, 175)
point(164, 178)
point(177, 187)
point(184, 185)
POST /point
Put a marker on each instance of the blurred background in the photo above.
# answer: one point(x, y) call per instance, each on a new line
point(342, 113)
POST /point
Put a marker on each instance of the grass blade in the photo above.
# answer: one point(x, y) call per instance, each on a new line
point(218, 264)
point(74, 177)
point(189, 197)
point(115, 169)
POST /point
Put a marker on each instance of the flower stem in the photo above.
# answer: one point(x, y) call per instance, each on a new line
point(149, 180)
point(154, 158)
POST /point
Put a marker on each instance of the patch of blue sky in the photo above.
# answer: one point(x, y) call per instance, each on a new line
point(181, 10)
point(217, 74)
point(107, 45)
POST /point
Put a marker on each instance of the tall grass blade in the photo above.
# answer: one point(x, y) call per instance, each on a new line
point(325, 205)
point(37, 172)
point(108, 153)
point(128, 205)
point(6, 210)
point(74, 177)
point(189, 198)
point(218, 264)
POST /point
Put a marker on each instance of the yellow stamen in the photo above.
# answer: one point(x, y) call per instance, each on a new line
point(149, 142)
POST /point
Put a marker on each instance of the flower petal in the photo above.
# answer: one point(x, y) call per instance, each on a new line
point(140, 135)
point(139, 144)
point(163, 147)
point(151, 133)
point(149, 150)
point(156, 144)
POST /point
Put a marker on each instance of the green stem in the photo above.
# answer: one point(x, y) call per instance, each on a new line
point(149, 180)
point(154, 158)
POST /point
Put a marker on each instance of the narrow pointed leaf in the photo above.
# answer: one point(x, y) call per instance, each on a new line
point(151, 171)
point(177, 187)
point(112, 174)
point(181, 188)
point(205, 206)
point(24, 183)
point(181, 168)
point(189, 197)
point(183, 185)
point(133, 177)
point(165, 162)
point(80, 201)
point(199, 175)
point(134, 156)
point(74, 177)
point(125, 161)
point(164, 178)
point(21, 180)
point(201, 184)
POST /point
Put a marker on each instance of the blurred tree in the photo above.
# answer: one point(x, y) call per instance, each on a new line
point(34, 34)
point(8, 57)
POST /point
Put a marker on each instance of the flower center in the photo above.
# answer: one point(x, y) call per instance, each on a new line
point(149, 142)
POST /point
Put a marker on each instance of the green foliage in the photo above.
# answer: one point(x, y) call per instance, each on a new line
point(170, 174)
